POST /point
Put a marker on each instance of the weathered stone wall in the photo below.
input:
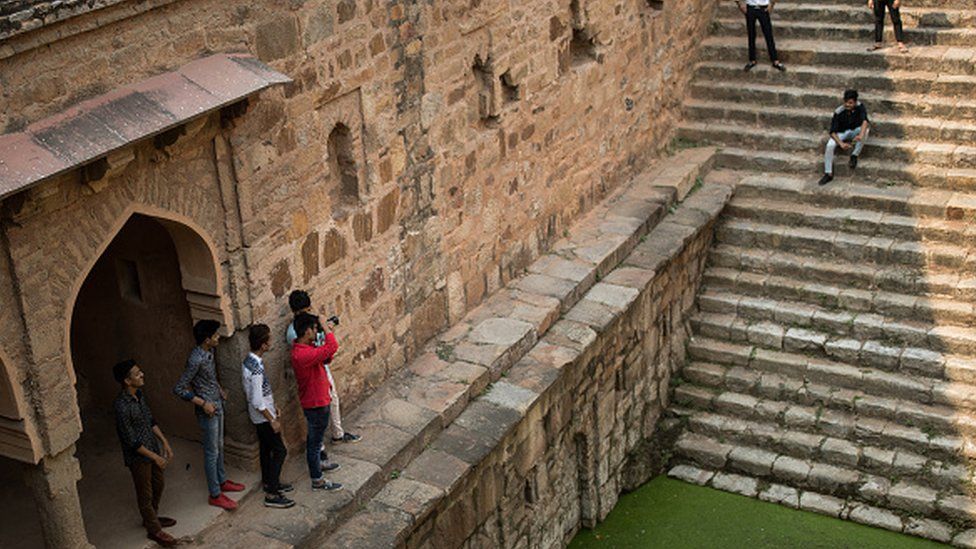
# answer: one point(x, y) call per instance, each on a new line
point(602, 386)
point(474, 136)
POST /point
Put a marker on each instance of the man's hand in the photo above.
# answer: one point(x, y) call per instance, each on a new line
point(870, 4)
point(160, 461)
point(845, 145)
point(275, 425)
point(223, 394)
point(167, 451)
point(896, 4)
point(857, 138)
point(209, 408)
point(741, 6)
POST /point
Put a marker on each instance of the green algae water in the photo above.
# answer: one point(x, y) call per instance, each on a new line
point(672, 514)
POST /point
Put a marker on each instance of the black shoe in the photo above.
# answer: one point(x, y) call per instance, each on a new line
point(278, 501)
point(348, 437)
point(852, 163)
point(749, 66)
point(322, 484)
point(283, 488)
point(329, 467)
point(323, 456)
point(779, 66)
point(827, 178)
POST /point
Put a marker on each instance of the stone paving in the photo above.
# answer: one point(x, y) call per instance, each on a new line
point(426, 428)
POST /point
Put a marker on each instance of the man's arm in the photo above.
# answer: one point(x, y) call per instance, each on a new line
point(182, 388)
point(328, 349)
point(741, 6)
point(167, 449)
point(127, 434)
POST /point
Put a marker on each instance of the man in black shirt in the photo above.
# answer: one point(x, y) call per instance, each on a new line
point(848, 130)
point(144, 448)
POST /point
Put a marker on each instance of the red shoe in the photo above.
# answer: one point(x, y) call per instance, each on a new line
point(223, 502)
point(231, 486)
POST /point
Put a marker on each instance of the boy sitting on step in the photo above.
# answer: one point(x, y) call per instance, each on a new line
point(848, 130)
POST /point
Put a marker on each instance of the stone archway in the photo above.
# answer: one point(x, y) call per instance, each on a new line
point(151, 281)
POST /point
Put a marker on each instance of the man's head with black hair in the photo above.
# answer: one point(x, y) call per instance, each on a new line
point(127, 373)
point(204, 332)
point(299, 301)
point(850, 99)
point(258, 336)
point(305, 326)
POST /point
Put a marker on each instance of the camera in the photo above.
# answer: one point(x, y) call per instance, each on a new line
point(334, 319)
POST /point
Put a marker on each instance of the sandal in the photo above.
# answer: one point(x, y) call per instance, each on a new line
point(779, 66)
point(749, 66)
point(875, 47)
point(902, 48)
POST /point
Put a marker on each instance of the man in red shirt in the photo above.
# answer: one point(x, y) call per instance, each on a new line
point(308, 362)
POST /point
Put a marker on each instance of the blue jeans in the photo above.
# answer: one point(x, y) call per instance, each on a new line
point(318, 422)
point(213, 449)
point(845, 136)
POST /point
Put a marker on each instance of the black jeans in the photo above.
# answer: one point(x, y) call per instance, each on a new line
point(879, 12)
point(272, 451)
point(754, 13)
point(318, 421)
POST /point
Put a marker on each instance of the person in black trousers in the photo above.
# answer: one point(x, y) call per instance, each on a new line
point(894, 8)
point(759, 10)
point(264, 416)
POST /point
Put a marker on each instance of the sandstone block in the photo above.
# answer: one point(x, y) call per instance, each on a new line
point(736, 483)
point(784, 495)
point(819, 503)
point(928, 528)
point(913, 498)
point(691, 474)
point(752, 460)
point(791, 469)
point(876, 517)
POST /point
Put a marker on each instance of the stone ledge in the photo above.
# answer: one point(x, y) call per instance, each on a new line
point(462, 448)
point(433, 423)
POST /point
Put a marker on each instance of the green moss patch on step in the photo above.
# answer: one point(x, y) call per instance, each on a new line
point(669, 513)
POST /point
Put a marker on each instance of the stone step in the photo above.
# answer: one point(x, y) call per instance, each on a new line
point(709, 381)
point(830, 319)
point(857, 33)
point(878, 81)
point(876, 499)
point(906, 201)
point(872, 343)
point(859, 14)
point(816, 502)
point(853, 220)
point(935, 4)
point(815, 100)
point(954, 389)
point(843, 55)
point(847, 246)
point(855, 276)
point(872, 171)
point(888, 126)
point(797, 439)
point(886, 149)
point(897, 305)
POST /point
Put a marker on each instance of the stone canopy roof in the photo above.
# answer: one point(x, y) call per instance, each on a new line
point(101, 125)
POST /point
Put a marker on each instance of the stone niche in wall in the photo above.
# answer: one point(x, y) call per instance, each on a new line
point(343, 157)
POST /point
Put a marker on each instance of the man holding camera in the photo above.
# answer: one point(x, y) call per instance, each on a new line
point(314, 389)
point(300, 302)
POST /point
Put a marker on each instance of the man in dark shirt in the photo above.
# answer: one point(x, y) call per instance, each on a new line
point(144, 448)
point(848, 130)
point(199, 385)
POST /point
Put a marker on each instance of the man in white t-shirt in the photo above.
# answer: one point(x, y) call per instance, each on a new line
point(760, 10)
point(264, 416)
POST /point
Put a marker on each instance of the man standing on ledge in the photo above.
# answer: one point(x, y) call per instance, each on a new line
point(144, 448)
point(308, 362)
point(199, 385)
point(760, 10)
point(848, 129)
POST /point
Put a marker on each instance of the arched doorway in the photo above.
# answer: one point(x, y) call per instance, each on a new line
point(139, 300)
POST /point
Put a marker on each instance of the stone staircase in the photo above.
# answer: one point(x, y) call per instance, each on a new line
point(833, 366)
point(922, 103)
